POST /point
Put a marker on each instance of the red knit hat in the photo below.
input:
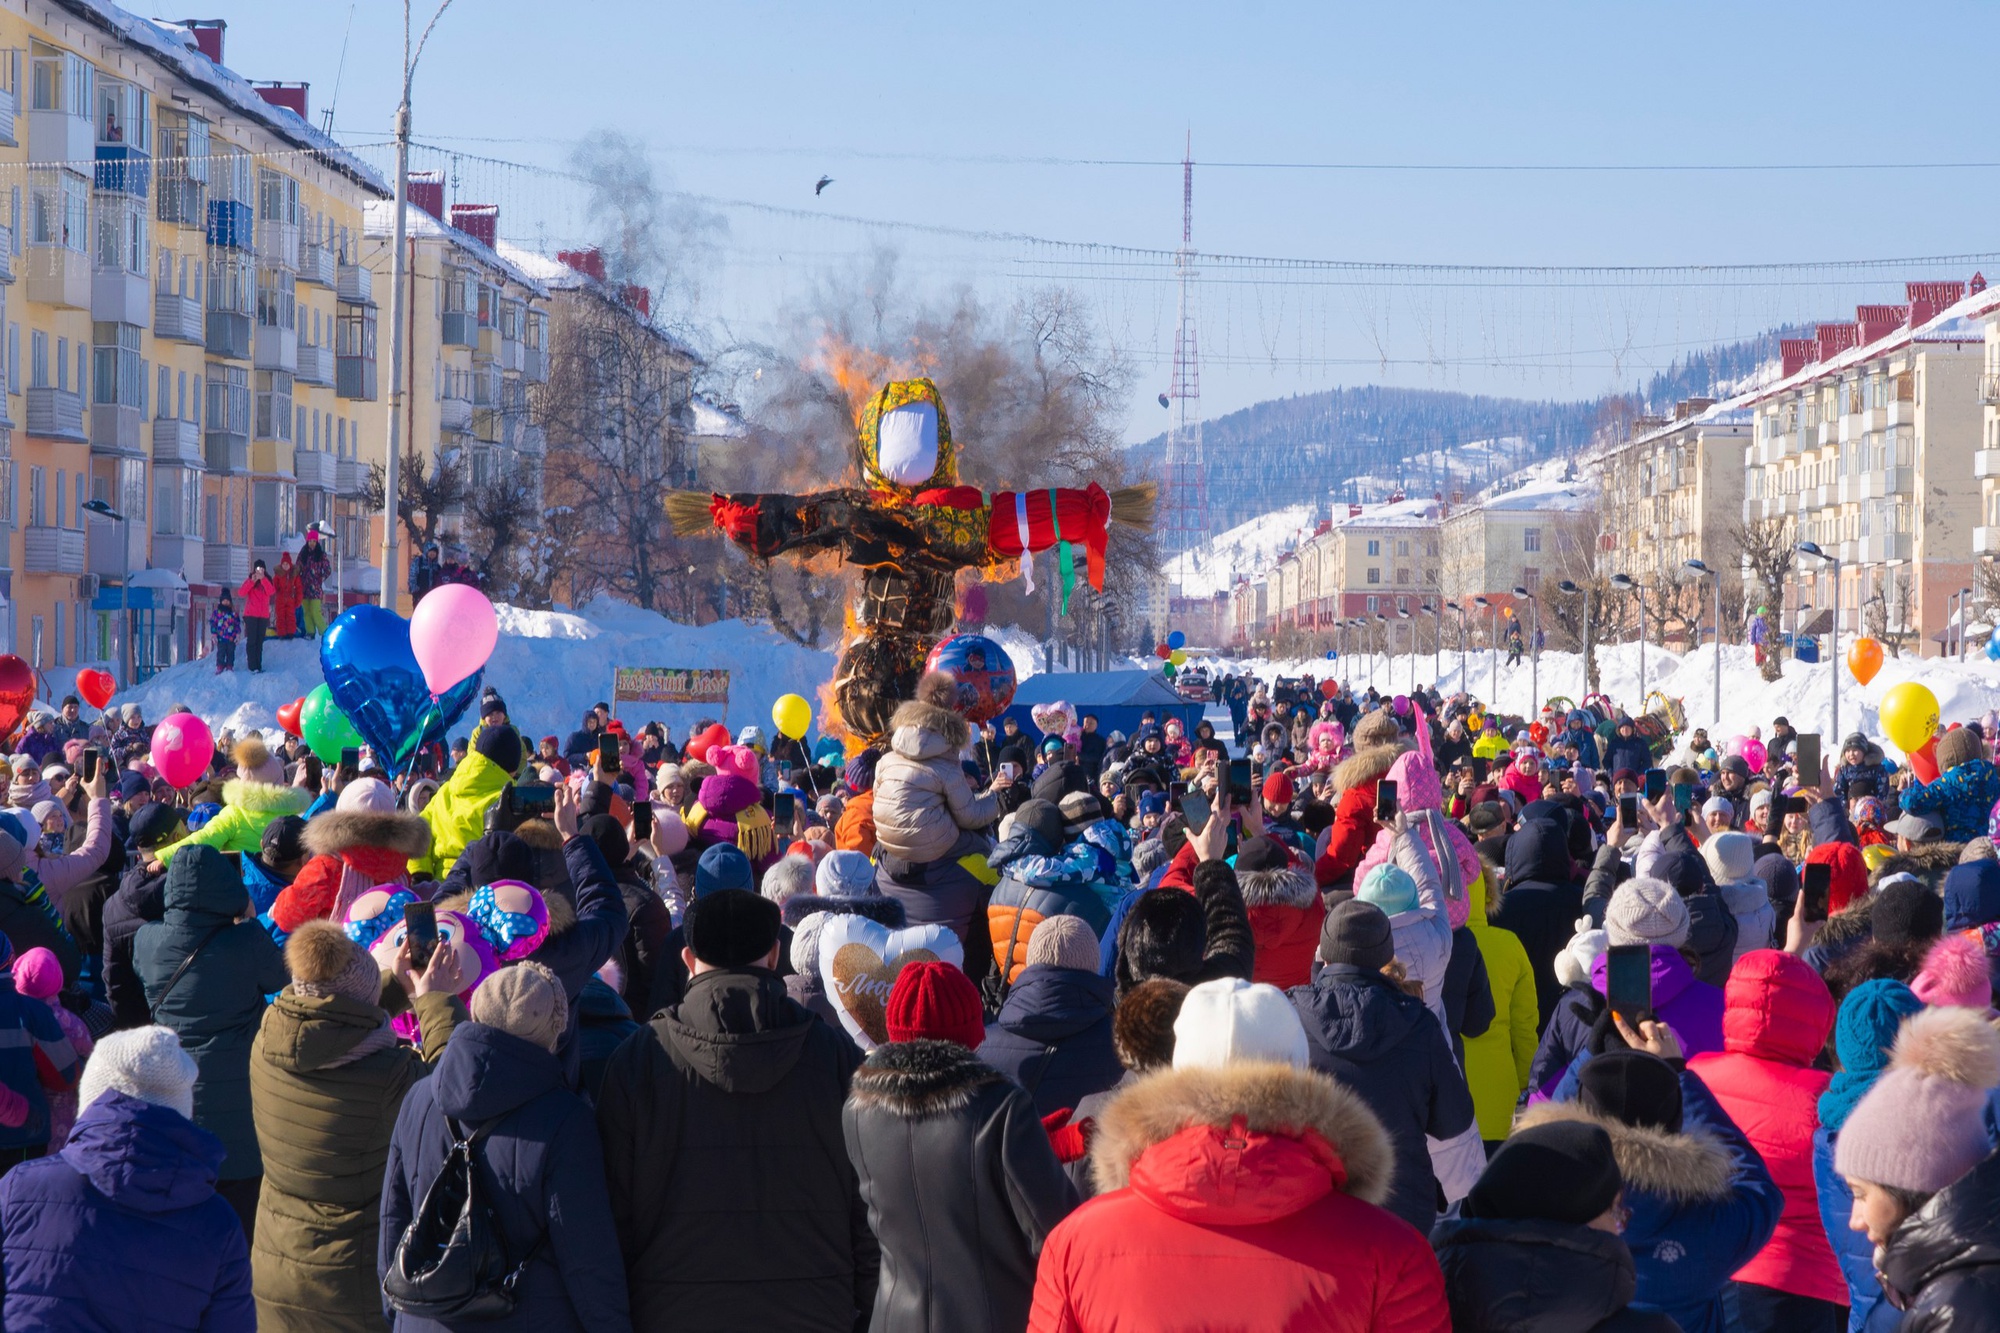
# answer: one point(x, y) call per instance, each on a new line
point(1278, 788)
point(935, 1001)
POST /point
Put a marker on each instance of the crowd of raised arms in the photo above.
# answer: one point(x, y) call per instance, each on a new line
point(1376, 1013)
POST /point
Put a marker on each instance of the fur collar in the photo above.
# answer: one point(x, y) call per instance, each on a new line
point(264, 798)
point(916, 715)
point(1276, 888)
point(1270, 1097)
point(888, 911)
point(334, 832)
point(1929, 860)
point(917, 1080)
point(539, 834)
point(1685, 1168)
point(1366, 766)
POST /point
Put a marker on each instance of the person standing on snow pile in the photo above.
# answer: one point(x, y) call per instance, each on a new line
point(315, 568)
point(225, 627)
point(257, 592)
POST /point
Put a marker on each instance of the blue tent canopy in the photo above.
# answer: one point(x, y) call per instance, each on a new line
point(1118, 698)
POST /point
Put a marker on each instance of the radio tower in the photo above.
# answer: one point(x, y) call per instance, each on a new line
point(1187, 524)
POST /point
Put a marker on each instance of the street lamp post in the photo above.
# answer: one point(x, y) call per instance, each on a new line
point(1833, 562)
point(1583, 629)
point(1402, 613)
point(1388, 658)
point(1705, 572)
point(1964, 596)
point(1534, 654)
point(1437, 646)
point(103, 510)
point(1493, 644)
point(1626, 583)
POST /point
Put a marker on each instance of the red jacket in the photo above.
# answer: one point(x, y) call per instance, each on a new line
point(1285, 912)
point(1354, 829)
point(1776, 1018)
point(1259, 1222)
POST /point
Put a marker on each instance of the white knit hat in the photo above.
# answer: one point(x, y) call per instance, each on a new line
point(1589, 944)
point(1647, 911)
point(1731, 857)
point(1230, 1021)
point(147, 1063)
point(844, 874)
point(370, 794)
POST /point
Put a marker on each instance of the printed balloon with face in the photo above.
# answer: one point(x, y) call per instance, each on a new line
point(512, 916)
point(476, 959)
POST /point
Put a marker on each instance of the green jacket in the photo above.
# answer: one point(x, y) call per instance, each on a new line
point(247, 809)
point(325, 1127)
point(1496, 1061)
point(457, 814)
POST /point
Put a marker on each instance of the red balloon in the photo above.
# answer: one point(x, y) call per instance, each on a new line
point(1163, 652)
point(95, 686)
point(1329, 688)
point(698, 746)
point(288, 716)
point(17, 692)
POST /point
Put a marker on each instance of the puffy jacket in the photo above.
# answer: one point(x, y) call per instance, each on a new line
point(1961, 800)
point(1423, 933)
point(543, 1175)
point(1498, 1060)
point(36, 1058)
point(1867, 1311)
point(247, 808)
point(1542, 902)
point(1390, 1048)
point(1354, 825)
point(856, 830)
point(61, 873)
point(1749, 901)
point(457, 813)
point(1509, 1275)
point(255, 596)
point(961, 1185)
point(355, 849)
point(922, 798)
point(1701, 1200)
point(1053, 1037)
point(1038, 882)
point(1778, 1018)
point(1692, 1008)
point(1631, 752)
point(1944, 1260)
point(1286, 912)
point(218, 1002)
point(324, 1116)
point(1238, 1198)
point(123, 1230)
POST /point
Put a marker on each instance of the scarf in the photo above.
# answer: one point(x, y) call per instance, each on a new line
point(1842, 1095)
point(754, 831)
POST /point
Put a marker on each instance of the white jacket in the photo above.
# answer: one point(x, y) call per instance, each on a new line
point(1756, 920)
point(1423, 933)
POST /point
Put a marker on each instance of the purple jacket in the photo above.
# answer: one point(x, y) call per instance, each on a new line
point(1691, 1009)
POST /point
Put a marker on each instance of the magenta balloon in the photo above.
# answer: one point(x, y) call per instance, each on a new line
point(183, 747)
point(1753, 754)
point(1733, 746)
point(452, 632)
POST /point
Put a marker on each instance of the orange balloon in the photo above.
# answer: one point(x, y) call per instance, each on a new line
point(1864, 659)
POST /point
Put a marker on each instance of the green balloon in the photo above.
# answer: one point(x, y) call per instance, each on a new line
point(325, 728)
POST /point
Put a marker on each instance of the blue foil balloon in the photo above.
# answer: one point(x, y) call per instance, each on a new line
point(374, 678)
point(1993, 649)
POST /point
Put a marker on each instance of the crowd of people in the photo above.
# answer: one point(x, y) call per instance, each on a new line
point(1377, 1013)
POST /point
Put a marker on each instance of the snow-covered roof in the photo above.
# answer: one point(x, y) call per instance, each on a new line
point(174, 47)
point(550, 272)
point(1418, 513)
point(378, 222)
point(714, 420)
point(1956, 323)
point(1570, 497)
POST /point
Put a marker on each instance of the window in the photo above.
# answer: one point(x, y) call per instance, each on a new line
point(1374, 604)
point(163, 399)
point(1374, 572)
point(277, 197)
point(1402, 574)
point(62, 363)
point(60, 81)
point(229, 399)
point(120, 378)
point(121, 233)
point(232, 281)
point(1374, 548)
point(59, 634)
point(354, 335)
point(13, 358)
point(38, 497)
point(59, 209)
point(39, 347)
point(1402, 548)
point(1531, 539)
point(62, 498)
point(274, 405)
point(277, 299)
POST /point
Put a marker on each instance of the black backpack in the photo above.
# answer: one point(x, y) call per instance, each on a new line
point(451, 1263)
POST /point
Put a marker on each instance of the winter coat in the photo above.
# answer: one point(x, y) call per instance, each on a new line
point(734, 1200)
point(855, 831)
point(62, 873)
point(1777, 1022)
point(217, 1004)
point(1036, 883)
point(354, 851)
point(1354, 825)
point(1867, 1311)
point(1423, 934)
point(140, 898)
point(1385, 1044)
point(603, 1023)
point(1468, 994)
point(1701, 1200)
point(961, 1185)
point(254, 597)
point(36, 1058)
point(1511, 1275)
point(1542, 902)
point(1497, 1060)
point(1237, 1198)
point(123, 1230)
point(1631, 752)
point(1749, 902)
point(1053, 1037)
point(247, 809)
point(1943, 1262)
point(315, 568)
point(922, 798)
point(542, 1172)
point(324, 1117)
point(1691, 1007)
point(224, 626)
point(1286, 912)
point(1961, 800)
point(1228, 946)
point(285, 606)
point(457, 813)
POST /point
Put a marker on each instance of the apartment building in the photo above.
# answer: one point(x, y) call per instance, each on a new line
point(1986, 462)
point(1673, 491)
point(1373, 560)
point(179, 271)
point(1538, 532)
point(1867, 446)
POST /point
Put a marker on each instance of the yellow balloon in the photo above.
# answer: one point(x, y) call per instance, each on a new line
point(1909, 716)
point(1178, 657)
point(791, 715)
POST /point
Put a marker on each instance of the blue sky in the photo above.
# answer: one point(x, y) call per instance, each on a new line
point(752, 101)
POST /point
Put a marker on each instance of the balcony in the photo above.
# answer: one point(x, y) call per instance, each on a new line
point(9, 108)
point(1878, 550)
point(277, 348)
point(117, 430)
point(123, 169)
point(58, 276)
point(350, 476)
point(355, 284)
point(177, 442)
point(454, 415)
point(58, 136)
point(315, 469)
point(532, 440)
point(226, 453)
point(513, 355)
point(49, 550)
point(1986, 541)
point(1885, 482)
point(535, 365)
point(181, 554)
point(230, 226)
point(316, 265)
point(229, 335)
point(1989, 389)
point(227, 565)
point(120, 296)
point(55, 414)
point(278, 243)
point(316, 365)
point(355, 377)
point(1986, 463)
point(486, 348)
point(461, 328)
point(178, 318)
point(1848, 489)
point(102, 556)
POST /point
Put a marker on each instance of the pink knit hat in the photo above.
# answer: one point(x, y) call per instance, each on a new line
point(1955, 972)
point(38, 973)
point(1416, 779)
point(1922, 1125)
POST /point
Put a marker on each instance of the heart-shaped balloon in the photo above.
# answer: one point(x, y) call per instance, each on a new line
point(858, 963)
point(17, 693)
point(288, 715)
point(374, 678)
point(96, 687)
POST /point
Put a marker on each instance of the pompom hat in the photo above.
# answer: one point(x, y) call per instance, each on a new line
point(1922, 1126)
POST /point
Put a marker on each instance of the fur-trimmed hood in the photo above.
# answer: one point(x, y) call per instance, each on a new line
point(888, 911)
point(336, 831)
point(920, 1080)
point(265, 798)
point(923, 731)
point(1269, 1098)
point(1366, 766)
point(1685, 1168)
point(1289, 887)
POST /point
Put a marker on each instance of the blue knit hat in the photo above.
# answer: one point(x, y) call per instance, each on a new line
point(1863, 1032)
point(1389, 887)
point(1152, 803)
point(723, 866)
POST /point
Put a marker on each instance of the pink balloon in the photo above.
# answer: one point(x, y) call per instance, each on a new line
point(1753, 754)
point(1733, 746)
point(183, 748)
point(452, 632)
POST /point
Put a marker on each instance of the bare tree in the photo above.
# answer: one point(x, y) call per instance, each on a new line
point(1769, 550)
point(505, 516)
point(425, 499)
